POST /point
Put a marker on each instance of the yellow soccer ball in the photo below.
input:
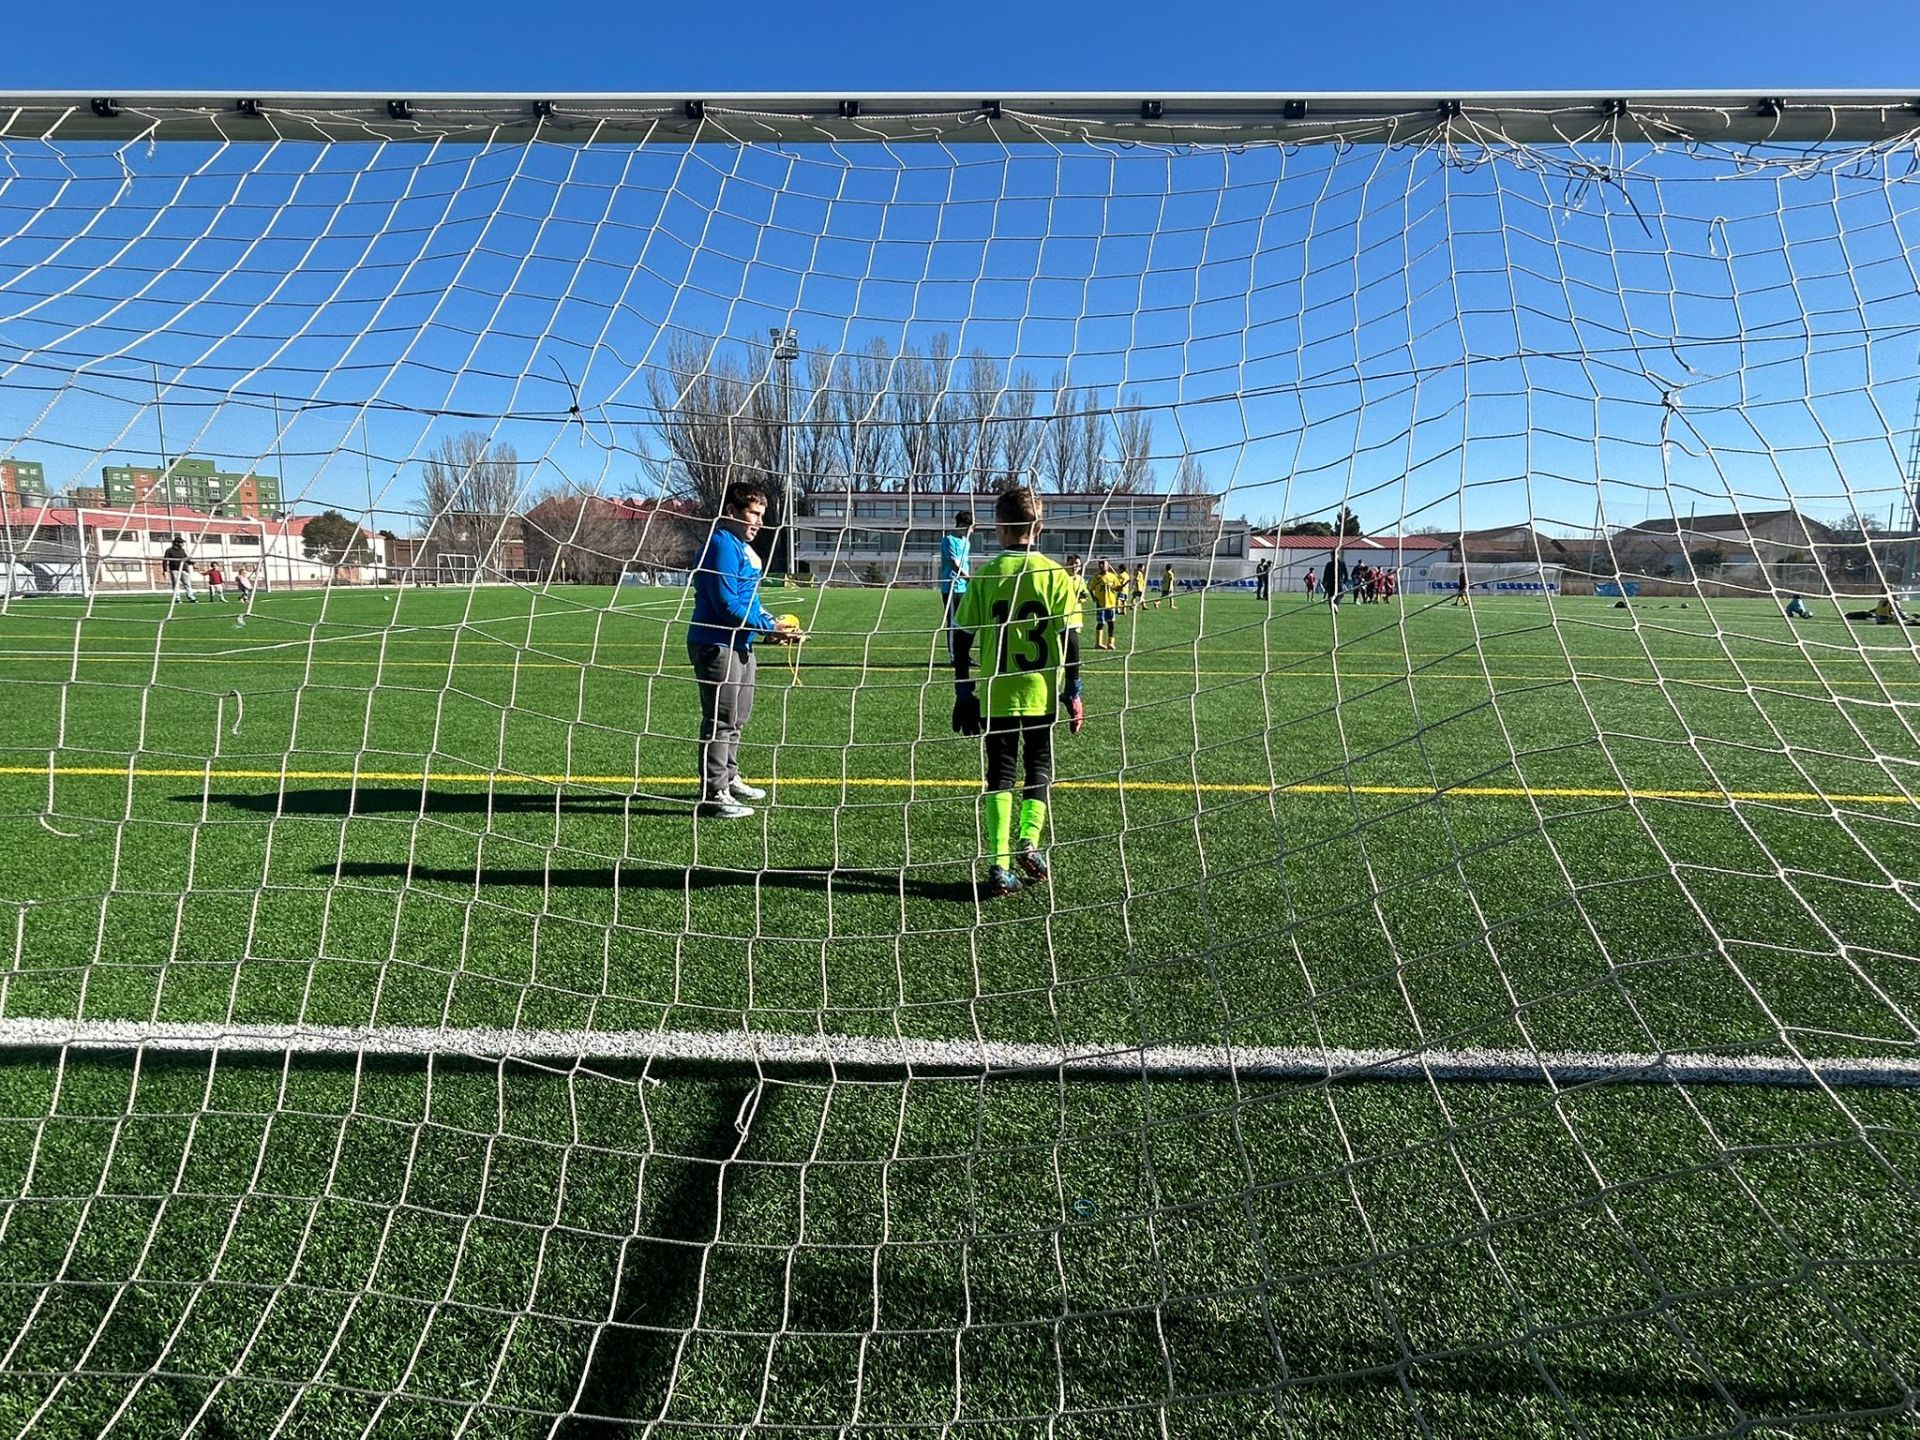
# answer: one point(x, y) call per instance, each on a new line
point(786, 626)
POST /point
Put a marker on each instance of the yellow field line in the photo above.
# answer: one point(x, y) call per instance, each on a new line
point(471, 636)
point(852, 644)
point(1421, 676)
point(880, 782)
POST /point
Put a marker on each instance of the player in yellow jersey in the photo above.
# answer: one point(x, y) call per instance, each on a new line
point(1015, 623)
point(1166, 590)
point(1082, 597)
point(1139, 586)
point(1106, 597)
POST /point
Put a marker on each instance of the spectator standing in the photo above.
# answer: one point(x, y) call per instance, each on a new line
point(179, 568)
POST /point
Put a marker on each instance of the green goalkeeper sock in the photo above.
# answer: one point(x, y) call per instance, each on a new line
point(1033, 820)
point(999, 823)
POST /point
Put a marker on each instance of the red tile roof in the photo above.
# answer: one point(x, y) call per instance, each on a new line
point(1348, 542)
point(178, 522)
point(615, 507)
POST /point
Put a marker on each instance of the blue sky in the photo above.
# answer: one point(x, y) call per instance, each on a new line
point(1115, 44)
point(1779, 391)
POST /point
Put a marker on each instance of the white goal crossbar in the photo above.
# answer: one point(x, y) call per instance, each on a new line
point(1777, 116)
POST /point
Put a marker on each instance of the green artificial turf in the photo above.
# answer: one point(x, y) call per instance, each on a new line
point(1574, 828)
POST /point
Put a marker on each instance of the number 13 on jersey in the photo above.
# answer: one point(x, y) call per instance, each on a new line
point(1019, 604)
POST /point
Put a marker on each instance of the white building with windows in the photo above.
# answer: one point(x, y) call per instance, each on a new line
point(56, 548)
point(861, 537)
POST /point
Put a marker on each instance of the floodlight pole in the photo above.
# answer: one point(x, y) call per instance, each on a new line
point(786, 350)
point(160, 419)
point(1913, 494)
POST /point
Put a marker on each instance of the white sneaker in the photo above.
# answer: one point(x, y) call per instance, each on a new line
point(724, 810)
point(741, 790)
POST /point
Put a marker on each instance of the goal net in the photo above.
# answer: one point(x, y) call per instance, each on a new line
point(40, 567)
point(1428, 1009)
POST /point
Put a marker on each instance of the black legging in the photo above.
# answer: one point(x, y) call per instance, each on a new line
point(1005, 751)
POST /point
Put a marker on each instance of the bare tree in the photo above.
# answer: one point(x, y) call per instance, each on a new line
point(1092, 451)
point(469, 490)
point(1189, 478)
point(1059, 455)
point(1133, 451)
point(953, 429)
point(719, 423)
point(869, 420)
point(1017, 431)
point(465, 474)
point(862, 419)
point(593, 540)
point(1072, 452)
point(579, 538)
point(975, 403)
point(816, 446)
point(915, 400)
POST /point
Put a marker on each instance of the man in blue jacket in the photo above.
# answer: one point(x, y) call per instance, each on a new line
point(727, 615)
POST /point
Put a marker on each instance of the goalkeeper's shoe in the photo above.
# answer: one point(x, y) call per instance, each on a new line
point(1033, 860)
point(741, 790)
point(998, 883)
point(725, 809)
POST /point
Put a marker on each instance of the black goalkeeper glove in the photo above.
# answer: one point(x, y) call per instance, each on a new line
point(967, 719)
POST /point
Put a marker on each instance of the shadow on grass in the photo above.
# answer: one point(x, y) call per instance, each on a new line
point(623, 1384)
point(633, 1358)
point(343, 802)
point(636, 875)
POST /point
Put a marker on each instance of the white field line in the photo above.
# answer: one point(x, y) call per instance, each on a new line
point(739, 1047)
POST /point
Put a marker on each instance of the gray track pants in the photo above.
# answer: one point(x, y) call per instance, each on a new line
point(726, 704)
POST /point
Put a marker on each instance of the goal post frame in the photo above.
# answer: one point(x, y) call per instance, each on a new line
point(410, 1033)
point(1545, 117)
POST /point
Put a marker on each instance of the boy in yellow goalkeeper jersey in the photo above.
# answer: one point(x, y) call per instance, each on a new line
point(1013, 635)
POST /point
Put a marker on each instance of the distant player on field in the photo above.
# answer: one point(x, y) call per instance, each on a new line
point(1082, 596)
point(1166, 587)
point(1797, 609)
point(1139, 585)
point(1334, 581)
point(1106, 597)
point(179, 571)
point(1017, 611)
point(216, 582)
point(1312, 582)
point(956, 568)
point(1888, 612)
